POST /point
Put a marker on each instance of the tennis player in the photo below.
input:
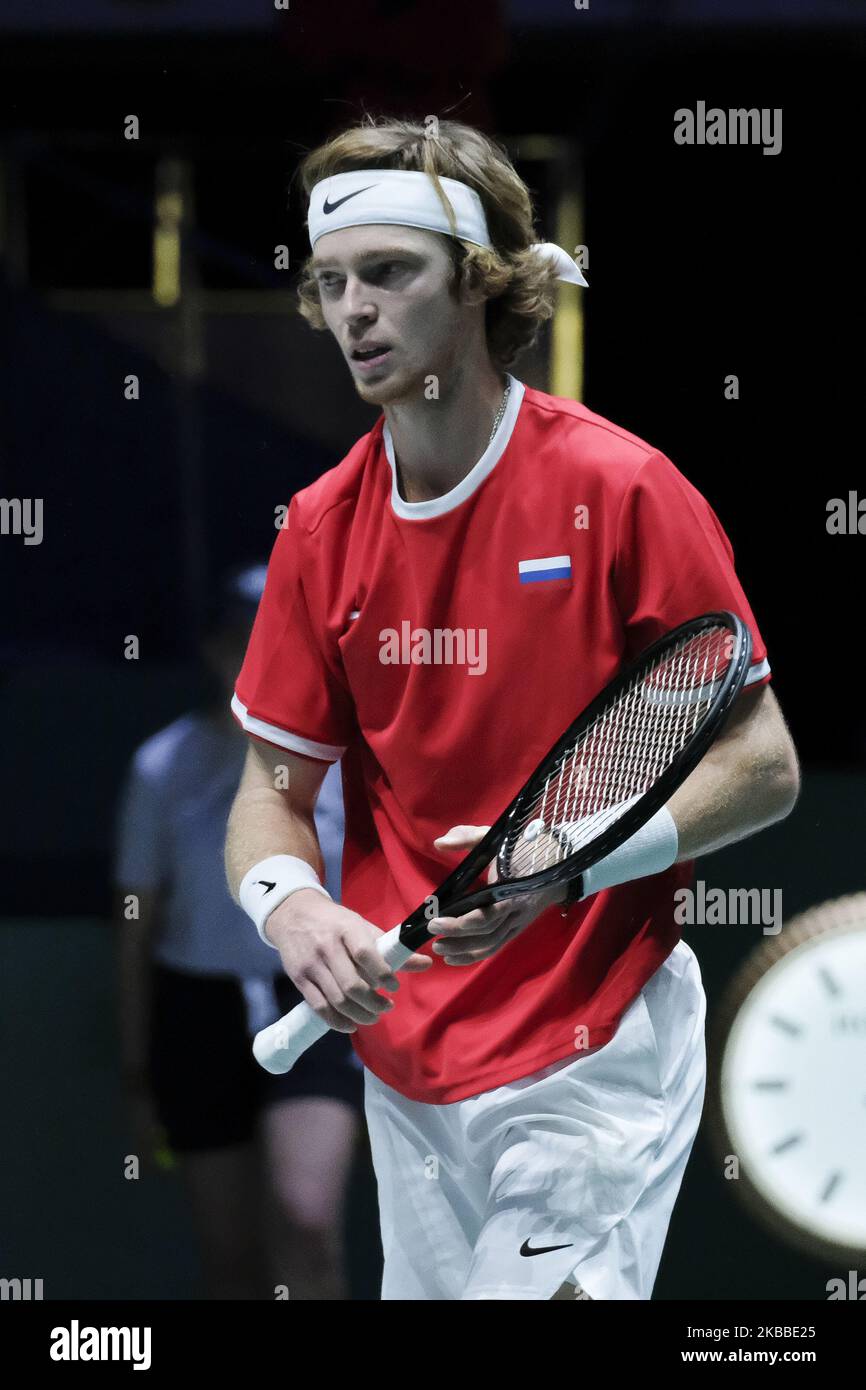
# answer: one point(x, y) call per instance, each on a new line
point(438, 608)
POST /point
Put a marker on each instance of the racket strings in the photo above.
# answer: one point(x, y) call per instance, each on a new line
point(620, 755)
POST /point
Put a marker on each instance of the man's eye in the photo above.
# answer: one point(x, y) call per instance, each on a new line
point(388, 269)
point(385, 270)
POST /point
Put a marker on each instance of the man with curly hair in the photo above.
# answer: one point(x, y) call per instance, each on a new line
point(534, 1091)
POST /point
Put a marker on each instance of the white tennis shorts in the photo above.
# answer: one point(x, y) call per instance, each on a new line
point(569, 1174)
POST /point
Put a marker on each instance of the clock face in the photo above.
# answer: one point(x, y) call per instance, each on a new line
point(793, 1087)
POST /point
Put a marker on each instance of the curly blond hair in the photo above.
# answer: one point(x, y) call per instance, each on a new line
point(518, 286)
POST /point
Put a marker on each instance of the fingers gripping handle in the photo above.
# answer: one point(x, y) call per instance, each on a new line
point(278, 1047)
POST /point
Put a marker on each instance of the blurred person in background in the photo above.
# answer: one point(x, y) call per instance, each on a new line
point(265, 1159)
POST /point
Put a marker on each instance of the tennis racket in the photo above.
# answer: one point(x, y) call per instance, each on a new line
point(611, 770)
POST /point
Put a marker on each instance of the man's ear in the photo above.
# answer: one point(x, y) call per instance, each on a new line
point(463, 282)
point(470, 293)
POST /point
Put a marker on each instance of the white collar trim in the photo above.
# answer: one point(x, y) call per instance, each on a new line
point(438, 506)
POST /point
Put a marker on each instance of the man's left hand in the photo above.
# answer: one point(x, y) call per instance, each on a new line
point(480, 933)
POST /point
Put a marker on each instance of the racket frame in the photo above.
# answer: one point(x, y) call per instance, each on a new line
point(452, 899)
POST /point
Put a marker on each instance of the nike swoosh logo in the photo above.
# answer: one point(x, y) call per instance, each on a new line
point(267, 886)
point(543, 1249)
point(332, 207)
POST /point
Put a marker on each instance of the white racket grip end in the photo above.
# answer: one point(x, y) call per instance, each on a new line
point(278, 1047)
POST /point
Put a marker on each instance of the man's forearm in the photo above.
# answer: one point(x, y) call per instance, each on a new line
point(262, 822)
point(725, 801)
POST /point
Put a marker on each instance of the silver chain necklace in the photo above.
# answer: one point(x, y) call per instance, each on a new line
point(496, 423)
point(500, 412)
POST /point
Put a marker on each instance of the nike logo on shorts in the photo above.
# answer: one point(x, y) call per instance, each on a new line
point(525, 1248)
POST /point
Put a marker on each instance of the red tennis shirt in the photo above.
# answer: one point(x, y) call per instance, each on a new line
point(439, 648)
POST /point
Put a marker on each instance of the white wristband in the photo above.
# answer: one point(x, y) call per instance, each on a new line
point(270, 882)
point(650, 850)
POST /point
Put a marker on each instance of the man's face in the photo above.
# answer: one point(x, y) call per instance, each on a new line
point(387, 288)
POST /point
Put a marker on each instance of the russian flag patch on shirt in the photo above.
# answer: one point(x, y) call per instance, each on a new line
point(549, 567)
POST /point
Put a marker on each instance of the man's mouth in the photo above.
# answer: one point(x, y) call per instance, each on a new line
point(370, 356)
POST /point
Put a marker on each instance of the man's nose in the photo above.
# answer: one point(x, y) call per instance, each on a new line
point(357, 301)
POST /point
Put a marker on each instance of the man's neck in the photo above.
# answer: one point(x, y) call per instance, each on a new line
point(437, 442)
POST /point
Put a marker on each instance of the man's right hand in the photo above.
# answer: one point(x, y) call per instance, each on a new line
point(329, 953)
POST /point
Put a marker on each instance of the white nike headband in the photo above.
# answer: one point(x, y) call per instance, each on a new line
point(408, 198)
